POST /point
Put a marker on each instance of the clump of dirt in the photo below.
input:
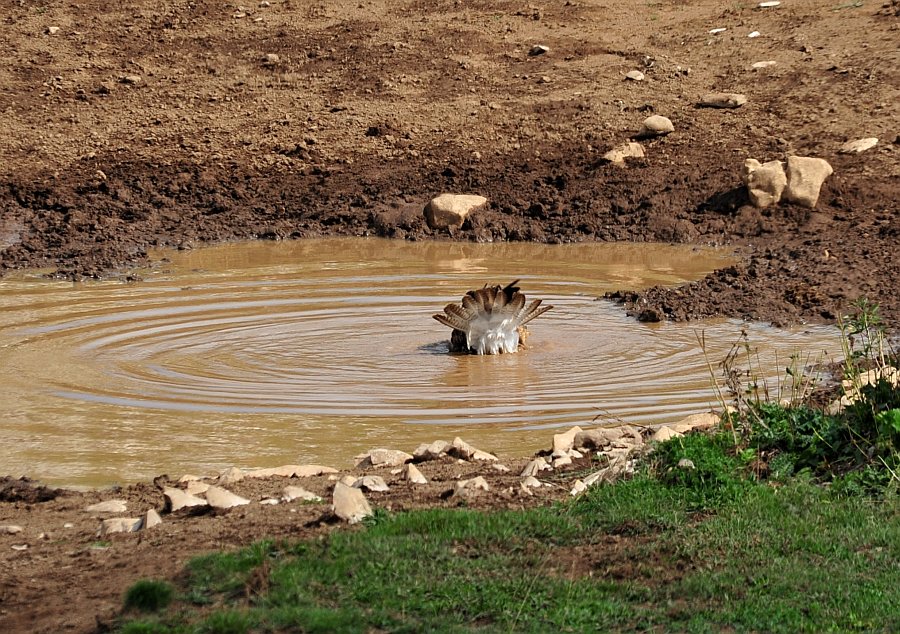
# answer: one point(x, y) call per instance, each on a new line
point(26, 490)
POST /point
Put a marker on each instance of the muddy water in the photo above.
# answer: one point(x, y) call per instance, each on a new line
point(313, 351)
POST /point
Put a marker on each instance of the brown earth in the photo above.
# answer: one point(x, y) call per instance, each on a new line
point(141, 124)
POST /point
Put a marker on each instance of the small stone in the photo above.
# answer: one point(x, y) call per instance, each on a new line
point(545, 79)
point(350, 504)
point(665, 433)
point(383, 458)
point(176, 499)
point(52, 30)
point(291, 493)
point(230, 476)
point(656, 125)
point(766, 64)
point(578, 487)
point(717, 30)
point(451, 210)
point(431, 452)
point(562, 461)
point(414, 475)
point(686, 463)
point(532, 482)
point(264, 4)
point(270, 501)
point(10, 529)
point(722, 100)
point(502, 468)
point(461, 449)
point(618, 154)
point(477, 483)
point(371, 483)
point(271, 59)
point(120, 525)
point(768, 4)
point(805, 176)
point(132, 79)
point(150, 519)
point(765, 182)
point(535, 467)
point(68, 525)
point(109, 506)
point(753, 34)
point(19, 547)
point(538, 49)
point(598, 438)
point(220, 498)
point(634, 75)
point(859, 145)
point(704, 420)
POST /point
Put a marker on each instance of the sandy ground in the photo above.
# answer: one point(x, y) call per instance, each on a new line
point(132, 125)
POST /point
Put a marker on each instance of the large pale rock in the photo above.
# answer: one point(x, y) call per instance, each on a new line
point(531, 482)
point(150, 519)
point(120, 525)
point(461, 449)
point(618, 154)
point(196, 487)
point(230, 476)
point(290, 471)
point(176, 499)
point(606, 436)
point(371, 483)
point(451, 210)
point(220, 498)
point(566, 440)
point(108, 506)
point(535, 467)
point(765, 182)
point(805, 176)
point(10, 529)
point(859, 145)
point(291, 493)
point(722, 100)
point(431, 452)
point(350, 504)
point(415, 476)
point(665, 433)
point(704, 420)
point(383, 458)
point(656, 125)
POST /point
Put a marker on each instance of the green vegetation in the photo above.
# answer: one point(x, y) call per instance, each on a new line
point(786, 519)
point(149, 596)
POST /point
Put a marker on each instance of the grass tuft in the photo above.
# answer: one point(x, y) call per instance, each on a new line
point(149, 595)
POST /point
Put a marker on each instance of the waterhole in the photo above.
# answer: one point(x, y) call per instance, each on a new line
point(264, 354)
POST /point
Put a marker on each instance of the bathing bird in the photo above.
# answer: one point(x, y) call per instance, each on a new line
point(490, 320)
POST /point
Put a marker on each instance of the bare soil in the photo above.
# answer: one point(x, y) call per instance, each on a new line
point(132, 125)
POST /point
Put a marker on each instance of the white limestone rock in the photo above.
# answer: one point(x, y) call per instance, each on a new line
point(656, 125)
point(618, 154)
point(196, 487)
point(722, 100)
point(108, 506)
point(532, 483)
point(859, 145)
point(578, 487)
point(413, 475)
point(763, 64)
point(291, 471)
point(472, 485)
point(451, 210)
point(565, 441)
point(634, 75)
point(350, 504)
point(665, 433)
point(704, 420)
point(220, 498)
point(150, 519)
point(371, 483)
point(502, 468)
point(120, 525)
point(291, 493)
point(805, 176)
point(230, 476)
point(10, 529)
point(535, 467)
point(765, 182)
point(176, 499)
point(431, 452)
point(383, 458)
point(461, 449)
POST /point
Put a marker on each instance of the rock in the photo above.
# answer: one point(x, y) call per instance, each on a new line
point(566, 440)
point(618, 154)
point(350, 504)
point(561, 461)
point(383, 458)
point(597, 438)
point(19, 547)
point(431, 452)
point(195, 487)
point(753, 34)
point(722, 100)
point(578, 487)
point(291, 493)
point(634, 75)
point(270, 502)
point(502, 468)
point(52, 30)
point(532, 483)
point(535, 467)
point(665, 433)
point(230, 476)
point(768, 4)
point(451, 210)
point(717, 30)
point(461, 449)
point(765, 182)
point(132, 79)
point(176, 499)
point(371, 483)
point(109, 506)
point(414, 475)
point(10, 529)
point(805, 176)
point(220, 498)
point(271, 59)
point(656, 125)
point(538, 49)
point(464, 487)
point(189, 478)
point(686, 463)
point(120, 525)
point(150, 519)
point(761, 65)
point(290, 471)
point(859, 145)
point(696, 421)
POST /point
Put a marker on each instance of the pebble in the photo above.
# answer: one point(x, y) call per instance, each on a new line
point(532, 482)
point(722, 100)
point(271, 59)
point(10, 529)
point(291, 493)
point(859, 145)
point(539, 49)
point(20, 547)
point(132, 79)
point(52, 30)
point(719, 30)
point(371, 483)
point(770, 3)
point(634, 75)
point(754, 34)
point(656, 125)
point(686, 463)
point(618, 154)
point(119, 525)
point(765, 64)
